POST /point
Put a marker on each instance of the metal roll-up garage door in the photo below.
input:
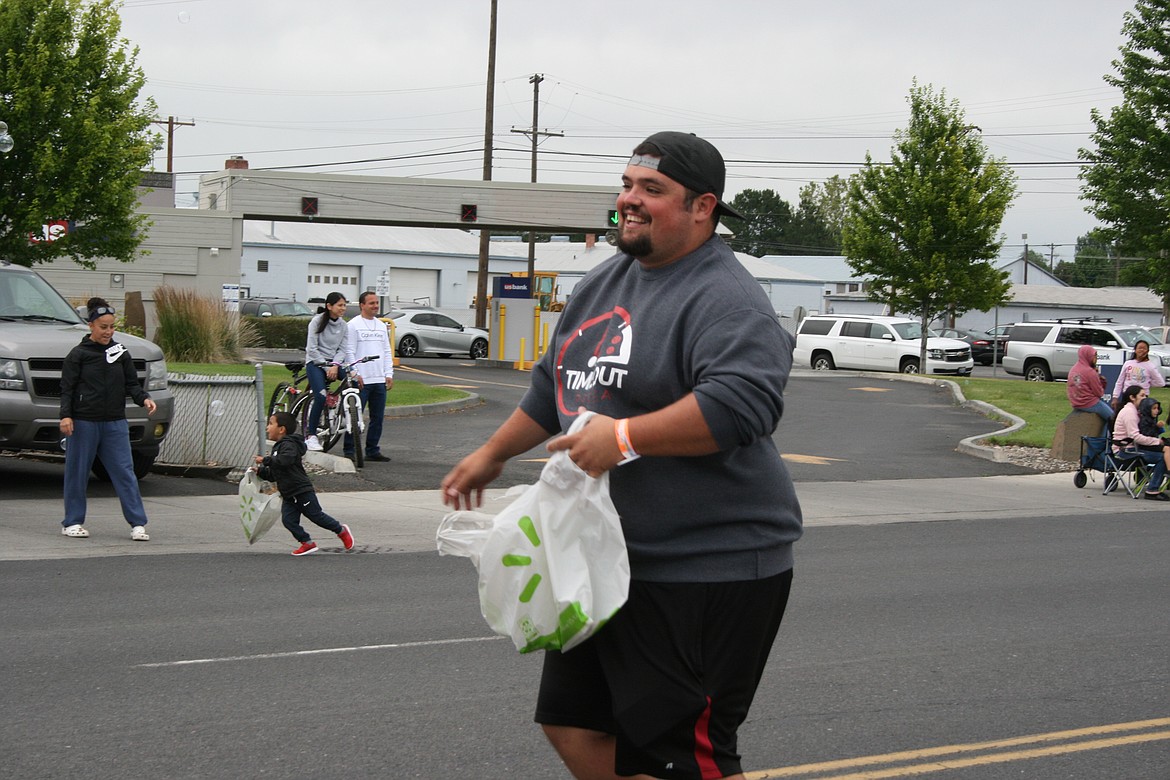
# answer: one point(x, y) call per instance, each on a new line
point(414, 285)
point(326, 278)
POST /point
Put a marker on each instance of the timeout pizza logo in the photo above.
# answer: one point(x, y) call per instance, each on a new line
point(593, 360)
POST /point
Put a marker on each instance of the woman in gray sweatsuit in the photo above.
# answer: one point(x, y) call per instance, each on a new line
point(324, 354)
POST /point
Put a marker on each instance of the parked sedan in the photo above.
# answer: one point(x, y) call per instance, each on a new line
point(1002, 334)
point(274, 307)
point(983, 349)
point(434, 333)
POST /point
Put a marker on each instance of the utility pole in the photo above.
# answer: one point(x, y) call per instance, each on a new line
point(1025, 237)
point(170, 125)
point(535, 135)
point(485, 237)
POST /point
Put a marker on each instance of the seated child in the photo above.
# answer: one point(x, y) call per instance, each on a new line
point(284, 467)
point(1148, 413)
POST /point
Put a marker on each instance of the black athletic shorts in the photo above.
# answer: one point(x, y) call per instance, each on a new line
point(671, 675)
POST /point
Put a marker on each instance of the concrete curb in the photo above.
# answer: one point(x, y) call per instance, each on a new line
point(419, 410)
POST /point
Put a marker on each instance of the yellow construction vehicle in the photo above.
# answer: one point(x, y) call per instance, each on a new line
point(547, 289)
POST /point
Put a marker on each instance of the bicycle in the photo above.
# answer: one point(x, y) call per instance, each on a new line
point(341, 414)
point(285, 396)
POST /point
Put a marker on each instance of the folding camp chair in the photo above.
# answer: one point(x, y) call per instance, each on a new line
point(1126, 467)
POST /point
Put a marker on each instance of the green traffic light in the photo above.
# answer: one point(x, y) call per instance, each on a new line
point(613, 217)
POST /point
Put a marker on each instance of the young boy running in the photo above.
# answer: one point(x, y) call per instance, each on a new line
point(284, 467)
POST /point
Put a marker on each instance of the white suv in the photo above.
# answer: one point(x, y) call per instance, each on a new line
point(872, 343)
point(1044, 350)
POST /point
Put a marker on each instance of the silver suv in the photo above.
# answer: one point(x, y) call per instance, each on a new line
point(37, 329)
point(1044, 350)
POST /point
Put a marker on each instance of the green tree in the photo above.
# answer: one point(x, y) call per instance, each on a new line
point(1127, 175)
point(68, 91)
point(923, 226)
point(768, 224)
point(821, 213)
point(1100, 262)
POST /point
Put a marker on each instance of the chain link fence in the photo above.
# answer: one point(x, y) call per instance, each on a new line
point(218, 421)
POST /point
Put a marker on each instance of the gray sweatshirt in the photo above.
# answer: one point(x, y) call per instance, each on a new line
point(328, 346)
point(634, 340)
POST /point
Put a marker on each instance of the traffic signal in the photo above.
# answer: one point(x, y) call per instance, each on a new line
point(612, 221)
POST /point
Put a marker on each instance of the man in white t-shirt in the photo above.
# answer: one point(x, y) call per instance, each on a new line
point(367, 336)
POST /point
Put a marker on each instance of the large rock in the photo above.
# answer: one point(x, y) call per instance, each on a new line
point(1066, 445)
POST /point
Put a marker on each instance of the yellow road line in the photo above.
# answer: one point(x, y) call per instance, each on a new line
point(815, 460)
point(936, 766)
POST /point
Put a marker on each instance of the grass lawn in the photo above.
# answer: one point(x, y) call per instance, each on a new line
point(406, 392)
point(1041, 404)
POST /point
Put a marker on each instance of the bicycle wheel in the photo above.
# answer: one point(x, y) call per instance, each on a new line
point(353, 413)
point(300, 411)
point(282, 400)
point(331, 427)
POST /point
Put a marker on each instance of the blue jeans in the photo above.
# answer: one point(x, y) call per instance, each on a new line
point(305, 504)
point(373, 398)
point(1158, 472)
point(111, 442)
point(318, 382)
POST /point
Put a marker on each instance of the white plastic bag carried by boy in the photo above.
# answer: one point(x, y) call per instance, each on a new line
point(552, 564)
point(259, 505)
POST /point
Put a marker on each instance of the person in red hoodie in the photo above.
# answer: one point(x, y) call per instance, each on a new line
point(1086, 386)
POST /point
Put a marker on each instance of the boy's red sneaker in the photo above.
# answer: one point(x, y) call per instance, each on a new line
point(346, 537)
point(306, 548)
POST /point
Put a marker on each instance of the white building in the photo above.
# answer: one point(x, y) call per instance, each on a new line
point(435, 266)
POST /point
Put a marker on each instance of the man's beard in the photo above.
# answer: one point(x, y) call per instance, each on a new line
point(634, 247)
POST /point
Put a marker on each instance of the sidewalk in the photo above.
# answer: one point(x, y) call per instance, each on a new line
point(405, 521)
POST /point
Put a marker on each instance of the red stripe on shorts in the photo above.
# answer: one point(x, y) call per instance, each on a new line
point(704, 753)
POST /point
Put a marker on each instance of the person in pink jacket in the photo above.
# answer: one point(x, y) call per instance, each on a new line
point(1086, 386)
point(1127, 435)
point(1138, 370)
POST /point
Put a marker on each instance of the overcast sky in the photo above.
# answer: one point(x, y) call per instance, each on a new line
point(790, 92)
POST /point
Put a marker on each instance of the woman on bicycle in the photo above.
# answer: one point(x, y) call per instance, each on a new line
point(324, 353)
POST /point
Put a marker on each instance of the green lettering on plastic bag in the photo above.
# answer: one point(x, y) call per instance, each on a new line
point(248, 509)
point(529, 589)
point(529, 530)
point(515, 560)
point(571, 620)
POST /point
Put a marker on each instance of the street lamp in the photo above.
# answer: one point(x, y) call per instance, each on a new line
point(6, 142)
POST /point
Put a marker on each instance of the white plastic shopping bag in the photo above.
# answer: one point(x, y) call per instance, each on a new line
point(552, 565)
point(259, 505)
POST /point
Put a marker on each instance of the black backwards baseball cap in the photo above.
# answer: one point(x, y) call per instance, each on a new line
point(691, 161)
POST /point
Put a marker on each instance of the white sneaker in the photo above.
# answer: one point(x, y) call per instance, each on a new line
point(77, 531)
point(313, 444)
point(138, 533)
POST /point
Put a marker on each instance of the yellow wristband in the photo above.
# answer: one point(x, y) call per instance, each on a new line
point(621, 430)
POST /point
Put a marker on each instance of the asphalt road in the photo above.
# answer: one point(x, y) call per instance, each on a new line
point(900, 637)
point(1044, 639)
point(836, 426)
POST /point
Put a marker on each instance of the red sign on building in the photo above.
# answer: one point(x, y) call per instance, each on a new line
point(50, 231)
